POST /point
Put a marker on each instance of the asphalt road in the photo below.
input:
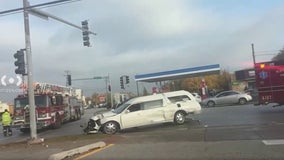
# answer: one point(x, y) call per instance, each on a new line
point(227, 132)
point(71, 128)
point(245, 115)
point(241, 115)
point(231, 132)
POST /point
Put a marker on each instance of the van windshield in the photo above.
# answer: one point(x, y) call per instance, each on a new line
point(121, 108)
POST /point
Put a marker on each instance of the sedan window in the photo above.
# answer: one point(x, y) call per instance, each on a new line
point(233, 93)
point(222, 95)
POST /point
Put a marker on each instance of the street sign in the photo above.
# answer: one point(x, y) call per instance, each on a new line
point(98, 77)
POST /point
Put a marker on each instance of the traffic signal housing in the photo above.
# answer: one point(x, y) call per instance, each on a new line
point(85, 32)
point(69, 81)
point(126, 79)
point(121, 83)
point(20, 62)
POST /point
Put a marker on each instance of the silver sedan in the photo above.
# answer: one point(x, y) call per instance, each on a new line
point(227, 97)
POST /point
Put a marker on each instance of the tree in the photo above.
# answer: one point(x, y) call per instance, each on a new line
point(279, 56)
point(218, 82)
point(95, 98)
point(225, 80)
point(191, 84)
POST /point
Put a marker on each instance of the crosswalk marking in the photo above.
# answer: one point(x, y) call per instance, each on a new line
point(274, 142)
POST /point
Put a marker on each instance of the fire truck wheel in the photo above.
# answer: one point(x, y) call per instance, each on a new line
point(79, 115)
point(57, 123)
point(76, 116)
point(25, 130)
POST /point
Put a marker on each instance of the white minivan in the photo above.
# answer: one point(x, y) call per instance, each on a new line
point(147, 110)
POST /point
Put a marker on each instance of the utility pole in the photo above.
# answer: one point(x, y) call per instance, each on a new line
point(33, 128)
point(253, 54)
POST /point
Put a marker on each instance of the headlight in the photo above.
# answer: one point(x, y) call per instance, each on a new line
point(44, 115)
point(18, 117)
point(100, 116)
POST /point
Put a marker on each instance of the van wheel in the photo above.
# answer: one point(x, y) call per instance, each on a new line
point(179, 118)
point(110, 128)
point(242, 101)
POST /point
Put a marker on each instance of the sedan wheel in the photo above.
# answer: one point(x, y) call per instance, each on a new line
point(211, 104)
point(179, 118)
point(110, 128)
point(242, 101)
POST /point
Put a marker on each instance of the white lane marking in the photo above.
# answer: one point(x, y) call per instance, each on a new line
point(274, 142)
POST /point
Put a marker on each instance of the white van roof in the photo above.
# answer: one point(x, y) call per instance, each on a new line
point(146, 98)
point(160, 96)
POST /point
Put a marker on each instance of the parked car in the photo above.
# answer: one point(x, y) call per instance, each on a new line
point(146, 110)
point(227, 97)
point(253, 93)
point(102, 105)
point(197, 97)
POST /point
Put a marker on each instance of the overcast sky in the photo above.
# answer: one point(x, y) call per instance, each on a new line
point(141, 36)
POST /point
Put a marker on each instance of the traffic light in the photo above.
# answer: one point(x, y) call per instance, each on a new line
point(121, 83)
point(69, 81)
point(85, 33)
point(20, 62)
point(127, 80)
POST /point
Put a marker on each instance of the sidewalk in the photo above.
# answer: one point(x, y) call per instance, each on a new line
point(24, 151)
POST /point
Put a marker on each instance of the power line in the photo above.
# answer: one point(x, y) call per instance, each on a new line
point(268, 54)
point(43, 5)
point(268, 51)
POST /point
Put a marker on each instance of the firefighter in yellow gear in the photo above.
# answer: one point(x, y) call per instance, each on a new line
point(6, 122)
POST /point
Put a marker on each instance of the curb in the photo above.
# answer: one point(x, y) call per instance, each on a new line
point(62, 155)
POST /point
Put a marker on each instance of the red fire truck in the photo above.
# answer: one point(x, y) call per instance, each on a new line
point(270, 82)
point(54, 106)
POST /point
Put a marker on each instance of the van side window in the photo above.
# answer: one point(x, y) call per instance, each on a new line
point(174, 99)
point(135, 107)
point(152, 104)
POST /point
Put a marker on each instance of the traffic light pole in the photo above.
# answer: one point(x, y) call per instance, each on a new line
point(108, 84)
point(45, 15)
point(33, 128)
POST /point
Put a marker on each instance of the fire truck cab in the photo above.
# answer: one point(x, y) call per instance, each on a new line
point(54, 106)
point(270, 82)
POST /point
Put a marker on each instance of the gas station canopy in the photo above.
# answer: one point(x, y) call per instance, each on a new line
point(179, 73)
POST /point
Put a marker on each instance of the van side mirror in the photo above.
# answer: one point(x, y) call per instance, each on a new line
point(127, 111)
point(178, 105)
